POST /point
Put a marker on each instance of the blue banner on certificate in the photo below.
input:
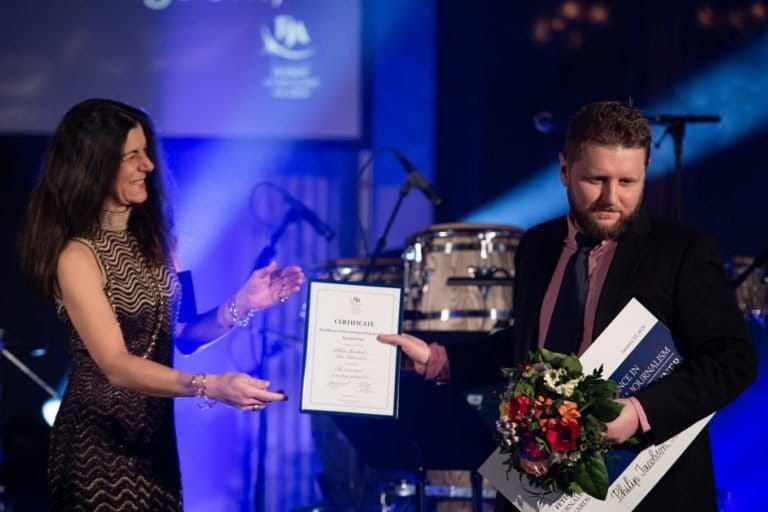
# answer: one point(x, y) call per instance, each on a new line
point(634, 350)
point(346, 370)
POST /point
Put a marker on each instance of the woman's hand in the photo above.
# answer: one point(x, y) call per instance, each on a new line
point(242, 391)
point(268, 285)
point(415, 349)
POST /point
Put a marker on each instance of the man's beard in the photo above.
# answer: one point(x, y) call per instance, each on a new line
point(590, 227)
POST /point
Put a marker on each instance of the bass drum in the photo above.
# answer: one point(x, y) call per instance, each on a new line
point(458, 277)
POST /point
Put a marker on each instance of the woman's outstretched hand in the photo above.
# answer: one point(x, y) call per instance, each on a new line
point(269, 285)
point(242, 391)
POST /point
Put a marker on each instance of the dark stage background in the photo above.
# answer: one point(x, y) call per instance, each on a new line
point(456, 86)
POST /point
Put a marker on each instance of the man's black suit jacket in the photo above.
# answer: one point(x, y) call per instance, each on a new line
point(675, 272)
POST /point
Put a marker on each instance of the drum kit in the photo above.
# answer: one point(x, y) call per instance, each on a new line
point(455, 277)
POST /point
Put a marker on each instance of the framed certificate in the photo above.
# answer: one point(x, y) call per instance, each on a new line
point(346, 370)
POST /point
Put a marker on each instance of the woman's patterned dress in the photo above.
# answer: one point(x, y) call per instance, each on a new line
point(112, 448)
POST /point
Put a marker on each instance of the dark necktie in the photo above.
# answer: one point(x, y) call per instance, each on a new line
point(567, 323)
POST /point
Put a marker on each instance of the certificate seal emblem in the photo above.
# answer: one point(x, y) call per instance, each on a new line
point(355, 305)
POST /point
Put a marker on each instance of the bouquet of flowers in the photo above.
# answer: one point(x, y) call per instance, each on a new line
point(552, 421)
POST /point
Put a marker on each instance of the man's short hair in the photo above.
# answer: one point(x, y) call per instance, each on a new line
point(607, 123)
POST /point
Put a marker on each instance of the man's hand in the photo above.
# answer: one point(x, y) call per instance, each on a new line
point(624, 426)
point(416, 351)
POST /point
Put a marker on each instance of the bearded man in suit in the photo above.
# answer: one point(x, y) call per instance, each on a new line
point(673, 270)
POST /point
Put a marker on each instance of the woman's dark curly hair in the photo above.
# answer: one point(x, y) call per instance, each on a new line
point(79, 170)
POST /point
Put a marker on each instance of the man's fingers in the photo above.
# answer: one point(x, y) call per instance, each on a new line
point(414, 347)
point(391, 339)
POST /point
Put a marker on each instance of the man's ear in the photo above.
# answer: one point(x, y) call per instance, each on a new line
point(563, 169)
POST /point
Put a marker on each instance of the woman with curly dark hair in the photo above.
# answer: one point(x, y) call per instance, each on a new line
point(99, 241)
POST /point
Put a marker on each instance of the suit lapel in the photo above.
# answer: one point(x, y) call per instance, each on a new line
point(547, 256)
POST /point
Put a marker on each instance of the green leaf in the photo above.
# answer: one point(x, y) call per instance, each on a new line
point(548, 356)
point(572, 364)
point(591, 475)
point(524, 387)
point(573, 488)
point(591, 422)
point(605, 409)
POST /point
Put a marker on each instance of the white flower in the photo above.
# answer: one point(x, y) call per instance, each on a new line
point(551, 380)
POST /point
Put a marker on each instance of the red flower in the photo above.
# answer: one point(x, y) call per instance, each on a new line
point(531, 451)
point(563, 437)
point(519, 407)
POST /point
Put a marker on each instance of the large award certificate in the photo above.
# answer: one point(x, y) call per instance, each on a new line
point(346, 370)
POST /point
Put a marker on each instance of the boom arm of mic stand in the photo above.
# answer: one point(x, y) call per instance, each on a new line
point(382, 241)
point(268, 253)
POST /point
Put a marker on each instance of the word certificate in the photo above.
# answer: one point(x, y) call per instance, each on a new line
point(346, 370)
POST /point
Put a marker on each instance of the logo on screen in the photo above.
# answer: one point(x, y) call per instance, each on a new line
point(157, 4)
point(290, 39)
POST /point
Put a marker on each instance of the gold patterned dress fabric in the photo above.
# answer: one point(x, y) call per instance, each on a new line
point(113, 449)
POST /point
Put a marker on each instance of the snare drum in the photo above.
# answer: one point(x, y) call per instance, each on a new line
point(459, 277)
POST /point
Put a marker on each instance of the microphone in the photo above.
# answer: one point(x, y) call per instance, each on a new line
point(417, 179)
point(308, 215)
point(544, 122)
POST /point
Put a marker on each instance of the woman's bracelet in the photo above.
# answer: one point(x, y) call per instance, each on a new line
point(237, 320)
point(198, 384)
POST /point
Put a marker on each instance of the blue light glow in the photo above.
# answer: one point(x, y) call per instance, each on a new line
point(734, 88)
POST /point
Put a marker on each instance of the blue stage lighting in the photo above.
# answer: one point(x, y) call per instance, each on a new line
point(733, 88)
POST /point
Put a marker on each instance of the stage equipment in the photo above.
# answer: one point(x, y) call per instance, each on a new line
point(364, 460)
point(5, 352)
point(414, 179)
point(296, 213)
point(6, 346)
point(385, 270)
point(458, 284)
point(750, 283)
point(417, 179)
point(675, 127)
point(459, 277)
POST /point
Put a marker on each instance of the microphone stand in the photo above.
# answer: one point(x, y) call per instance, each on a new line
point(265, 257)
point(405, 188)
point(676, 129)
